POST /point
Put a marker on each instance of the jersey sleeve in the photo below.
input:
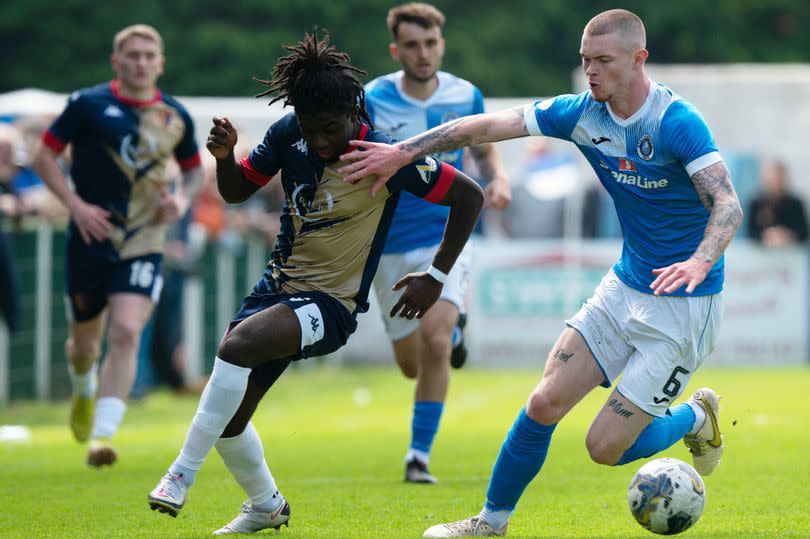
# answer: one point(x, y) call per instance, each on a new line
point(554, 117)
point(426, 178)
point(263, 162)
point(689, 137)
point(186, 152)
point(67, 126)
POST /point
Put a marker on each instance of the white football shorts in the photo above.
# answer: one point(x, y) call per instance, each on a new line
point(394, 266)
point(657, 342)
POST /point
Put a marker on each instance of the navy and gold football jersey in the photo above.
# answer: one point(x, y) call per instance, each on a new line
point(332, 232)
point(120, 149)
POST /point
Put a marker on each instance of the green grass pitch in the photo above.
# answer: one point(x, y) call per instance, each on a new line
point(338, 459)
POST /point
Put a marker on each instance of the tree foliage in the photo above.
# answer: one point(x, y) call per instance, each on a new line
point(508, 48)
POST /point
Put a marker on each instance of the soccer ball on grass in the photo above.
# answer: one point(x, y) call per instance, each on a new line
point(666, 496)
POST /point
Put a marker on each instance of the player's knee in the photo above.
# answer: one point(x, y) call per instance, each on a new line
point(545, 408)
point(123, 335)
point(87, 349)
point(235, 349)
point(603, 451)
point(437, 344)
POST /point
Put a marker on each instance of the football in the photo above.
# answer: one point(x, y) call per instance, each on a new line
point(666, 496)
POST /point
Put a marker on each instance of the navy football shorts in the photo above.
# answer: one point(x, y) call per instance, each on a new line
point(92, 273)
point(325, 324)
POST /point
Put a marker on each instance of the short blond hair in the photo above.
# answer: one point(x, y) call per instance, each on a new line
point(425, 15)
point(137, 30)
point(626, 23)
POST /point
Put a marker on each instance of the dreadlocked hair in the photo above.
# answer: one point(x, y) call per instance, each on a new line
point(316, 78)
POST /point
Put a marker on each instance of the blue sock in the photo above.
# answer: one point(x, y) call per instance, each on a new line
point(425, 424)
point(661, 433)
point(522, 455)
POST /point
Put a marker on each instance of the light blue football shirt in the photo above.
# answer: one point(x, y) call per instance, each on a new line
point(645, 162)
point(418, 223)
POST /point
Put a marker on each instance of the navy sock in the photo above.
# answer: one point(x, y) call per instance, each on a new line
point(425, 424)
point(661, 433)
point(522, 455)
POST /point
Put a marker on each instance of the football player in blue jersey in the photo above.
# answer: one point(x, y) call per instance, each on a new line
point(122, 135)
point(318, 279)
point(655, 316)
point(403, 104)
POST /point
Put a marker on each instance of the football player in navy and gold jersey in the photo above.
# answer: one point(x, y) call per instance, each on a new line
point(123, 134)
point(331, 239)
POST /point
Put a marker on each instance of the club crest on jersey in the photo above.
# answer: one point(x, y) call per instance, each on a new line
point(627, 165)
point(425, 170)
point(645, 148)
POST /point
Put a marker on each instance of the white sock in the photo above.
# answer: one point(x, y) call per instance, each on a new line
point(496, 519)
point(108, 417)
point(700, 417)
point(219, 401)
point(244, 457)
point(84, 385)
point(417, 454)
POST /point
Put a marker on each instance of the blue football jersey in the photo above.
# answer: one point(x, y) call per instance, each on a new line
point(645, 162)
point(332, 232)
point(418, 223)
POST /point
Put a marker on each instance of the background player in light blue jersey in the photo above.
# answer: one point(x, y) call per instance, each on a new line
point(655, 316)
point(403, 104)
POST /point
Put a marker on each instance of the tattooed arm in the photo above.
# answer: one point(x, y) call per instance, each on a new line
point(383, 160)
point(717, 194)
point(713, 185)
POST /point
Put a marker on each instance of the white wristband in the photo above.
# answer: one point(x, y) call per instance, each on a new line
point(437, 274)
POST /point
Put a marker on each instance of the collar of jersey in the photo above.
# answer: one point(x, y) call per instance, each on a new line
point(640, 112)
point(134, 102)
point(360, 136)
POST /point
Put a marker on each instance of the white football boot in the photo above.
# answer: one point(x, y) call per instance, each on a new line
point(706, 445)
point(469, 527)
point(169, 495)
point(251, 520)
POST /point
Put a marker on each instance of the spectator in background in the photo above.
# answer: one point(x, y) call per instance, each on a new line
point(776, 217)
point(10, 206)
point(549, 178)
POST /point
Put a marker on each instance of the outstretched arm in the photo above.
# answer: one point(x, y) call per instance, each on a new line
point(713, 185)
point(422, 290)
point(383, 160)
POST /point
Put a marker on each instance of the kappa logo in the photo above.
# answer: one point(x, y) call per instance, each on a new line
point(425, 170)
point(314, 321)
point(300, 145)
point(113, 111)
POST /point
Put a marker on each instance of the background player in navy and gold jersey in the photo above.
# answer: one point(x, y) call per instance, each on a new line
point(332, 236)
point(122, 135)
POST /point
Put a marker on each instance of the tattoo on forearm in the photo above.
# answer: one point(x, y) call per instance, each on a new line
point(714, 188)
point(457, 133)
point(562, 355)
point(618, 408)
point(444, 138)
